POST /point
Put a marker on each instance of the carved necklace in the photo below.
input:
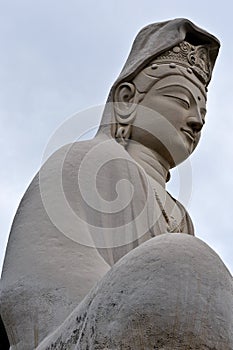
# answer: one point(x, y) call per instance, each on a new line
point(172, 225)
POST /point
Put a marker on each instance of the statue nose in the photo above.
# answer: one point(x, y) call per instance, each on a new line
point(195, 123)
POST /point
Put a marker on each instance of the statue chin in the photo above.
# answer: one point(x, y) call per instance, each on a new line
point(172, 292)
point(169, 153)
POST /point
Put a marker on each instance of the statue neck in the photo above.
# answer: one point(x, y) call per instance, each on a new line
point(153, 164)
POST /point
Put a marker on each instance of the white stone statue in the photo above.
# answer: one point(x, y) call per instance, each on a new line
point(93, 202)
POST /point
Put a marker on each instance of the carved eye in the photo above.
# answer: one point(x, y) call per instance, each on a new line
point(183, 101)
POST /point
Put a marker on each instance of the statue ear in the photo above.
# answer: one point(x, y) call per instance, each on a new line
point(124, 97)
point(125, 93)
point(125, 103)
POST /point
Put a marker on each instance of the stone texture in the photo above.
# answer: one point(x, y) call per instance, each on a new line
point(171, 293)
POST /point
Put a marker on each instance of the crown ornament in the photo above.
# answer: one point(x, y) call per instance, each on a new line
point(193, 57)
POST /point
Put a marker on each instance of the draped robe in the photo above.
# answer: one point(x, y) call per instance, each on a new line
point(55, 253)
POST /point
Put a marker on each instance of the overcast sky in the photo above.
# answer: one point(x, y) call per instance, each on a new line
point(60, 57)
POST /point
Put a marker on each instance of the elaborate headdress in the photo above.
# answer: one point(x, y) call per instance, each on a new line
point(195, 58)
point(175, 41)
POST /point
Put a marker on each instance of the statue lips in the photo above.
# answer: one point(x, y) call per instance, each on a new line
point(189, 133)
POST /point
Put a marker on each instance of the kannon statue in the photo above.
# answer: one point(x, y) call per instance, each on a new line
point(100, 255)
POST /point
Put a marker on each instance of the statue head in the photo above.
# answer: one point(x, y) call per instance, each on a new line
point(160, 94)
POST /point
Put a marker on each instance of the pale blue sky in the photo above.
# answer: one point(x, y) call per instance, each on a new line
point(59, 57)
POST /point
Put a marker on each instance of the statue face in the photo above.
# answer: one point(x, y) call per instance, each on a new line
point(181, 107)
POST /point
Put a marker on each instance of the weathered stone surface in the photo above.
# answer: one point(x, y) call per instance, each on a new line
point(171, 293)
